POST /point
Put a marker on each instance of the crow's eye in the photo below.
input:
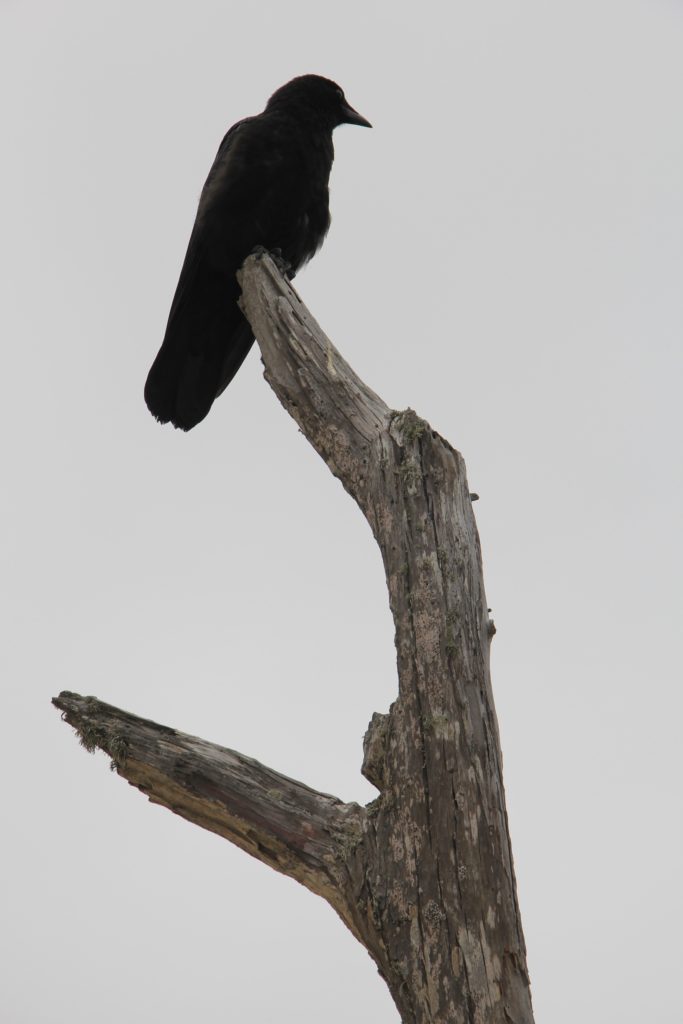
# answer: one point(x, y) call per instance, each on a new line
point(340, 94)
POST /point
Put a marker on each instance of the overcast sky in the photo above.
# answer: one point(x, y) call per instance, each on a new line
point(506, 257)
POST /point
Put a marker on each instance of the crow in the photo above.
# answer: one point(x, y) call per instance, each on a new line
point(267, 189)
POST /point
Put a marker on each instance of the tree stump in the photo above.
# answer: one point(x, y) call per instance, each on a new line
point(423, 875)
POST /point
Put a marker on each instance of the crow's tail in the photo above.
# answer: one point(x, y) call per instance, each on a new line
point(207, 339)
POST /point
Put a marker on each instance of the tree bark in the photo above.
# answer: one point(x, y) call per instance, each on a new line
point(422, 876)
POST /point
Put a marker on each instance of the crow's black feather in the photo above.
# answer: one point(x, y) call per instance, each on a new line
point(268, 187)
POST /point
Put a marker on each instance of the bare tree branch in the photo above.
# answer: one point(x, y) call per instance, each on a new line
point(424, 875)
point(287, 825)
point(436, 858)
point(339, 414)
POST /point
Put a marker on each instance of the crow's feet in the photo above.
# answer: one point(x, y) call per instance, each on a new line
point(283, 265)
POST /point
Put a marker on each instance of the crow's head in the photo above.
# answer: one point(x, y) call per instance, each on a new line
point(317, 98)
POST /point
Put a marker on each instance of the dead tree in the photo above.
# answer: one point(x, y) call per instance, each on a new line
point(423, 875)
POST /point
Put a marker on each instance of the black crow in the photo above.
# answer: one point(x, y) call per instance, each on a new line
point(268, 187)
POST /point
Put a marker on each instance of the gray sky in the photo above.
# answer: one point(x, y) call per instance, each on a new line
point(506, 257)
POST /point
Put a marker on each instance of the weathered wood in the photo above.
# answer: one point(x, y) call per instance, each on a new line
point(423, 876)
point(289, 826)
point(433, 878)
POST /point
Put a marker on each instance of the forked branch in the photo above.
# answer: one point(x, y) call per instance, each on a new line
point(424, 875)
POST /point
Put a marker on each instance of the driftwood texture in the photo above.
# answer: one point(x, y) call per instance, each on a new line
point(423, 875)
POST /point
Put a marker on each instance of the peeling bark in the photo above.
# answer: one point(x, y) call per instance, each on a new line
point(423, 876)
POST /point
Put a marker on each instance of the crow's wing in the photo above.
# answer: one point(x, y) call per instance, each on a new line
point(207, 338)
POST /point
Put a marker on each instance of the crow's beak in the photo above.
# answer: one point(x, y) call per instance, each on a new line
point(351, 116)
